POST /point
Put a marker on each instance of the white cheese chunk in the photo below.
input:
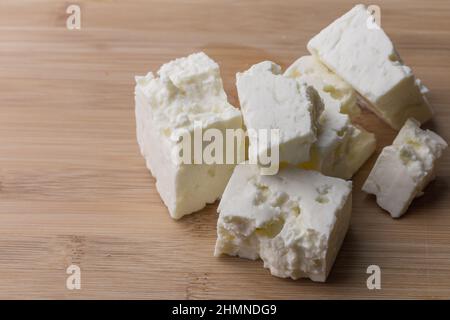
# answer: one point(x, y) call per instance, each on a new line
point(404, 169)
point(294, 221)
point(341, 147)
point(335, 92)
point(340, 153)
point(364, 56)
point(334, 130)
point(271, 101)
point(188, 90)
point(360, 146)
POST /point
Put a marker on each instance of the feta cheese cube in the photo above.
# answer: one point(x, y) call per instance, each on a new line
point(341, 147)
point(271, 101)
point(364, 56)
point(335, 92)
point(360, 146)
point(188, 90)
point(294, 221)
point(404, 169)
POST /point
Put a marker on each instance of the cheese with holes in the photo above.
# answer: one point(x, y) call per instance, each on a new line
point(294, 221)
point(335, 92)
point(361, 53)
point(341, 147)
point(186, 92)
point(404, 169)
point(271, 101)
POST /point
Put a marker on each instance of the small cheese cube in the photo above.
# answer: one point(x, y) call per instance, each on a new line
point(362, 54)
point(360, 146)
point(294, 221)
point(188, 90)
point(335, 92)
point(404, 169)
point(271, 101)
point(341, 147)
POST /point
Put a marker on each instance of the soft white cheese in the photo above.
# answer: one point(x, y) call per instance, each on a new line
point(341, 147)
point(335, 92)
point(404, 169)
point(334, 130)
point(187, 90)
point(360, 146)
point(294, 221)
point(365, 57)
point(271, 101)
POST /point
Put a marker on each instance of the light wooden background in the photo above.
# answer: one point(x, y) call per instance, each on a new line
point(74, 188)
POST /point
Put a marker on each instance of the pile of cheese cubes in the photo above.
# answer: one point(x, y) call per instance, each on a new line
point(296, 219)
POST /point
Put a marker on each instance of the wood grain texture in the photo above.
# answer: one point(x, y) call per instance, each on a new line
point(74, 188)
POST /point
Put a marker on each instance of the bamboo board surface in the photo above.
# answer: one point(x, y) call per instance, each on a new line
point(74, 188)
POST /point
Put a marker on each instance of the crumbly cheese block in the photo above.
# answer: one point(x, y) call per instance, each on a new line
point(341, 147)
point(404, 169)
point(342, 153)
point(335, 92)
point(334, 131)
point(271, 101)
point(185, 91)
point(360, 146)
point(365, 57)
point(294, 221)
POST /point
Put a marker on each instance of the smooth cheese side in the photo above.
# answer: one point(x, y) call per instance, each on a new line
point(294, 221)
point(271, 101)
point(364, 56)
point(404, 169)
point(186, 91)
point(341, 147)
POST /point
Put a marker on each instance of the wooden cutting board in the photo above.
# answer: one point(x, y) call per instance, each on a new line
point(74, 188)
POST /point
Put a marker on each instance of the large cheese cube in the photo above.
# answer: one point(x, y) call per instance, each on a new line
point(294, 221)
point(404, 169)
point(341, 147)
point(271, 101)
point(187, 92)
point(363, 55)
